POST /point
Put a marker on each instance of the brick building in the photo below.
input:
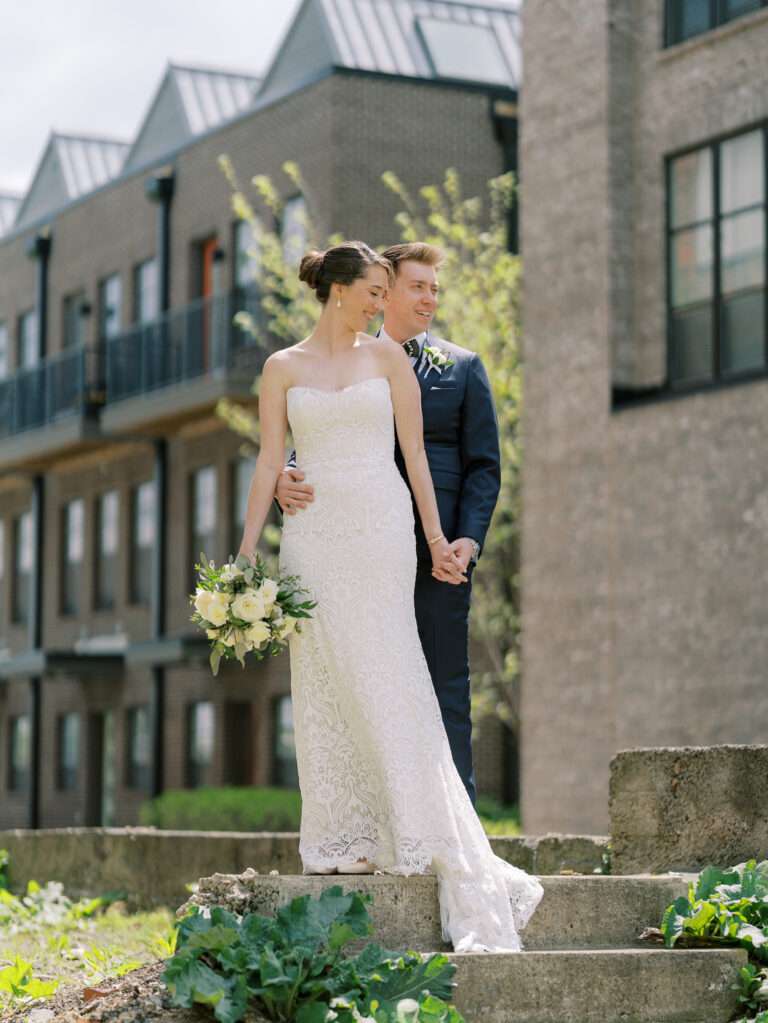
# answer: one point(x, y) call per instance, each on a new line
point(120, 270)
point(644, 167)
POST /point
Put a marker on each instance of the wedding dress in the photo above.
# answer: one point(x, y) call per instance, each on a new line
point(375, 769)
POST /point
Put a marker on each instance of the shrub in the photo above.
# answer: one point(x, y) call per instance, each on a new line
point(224, 809)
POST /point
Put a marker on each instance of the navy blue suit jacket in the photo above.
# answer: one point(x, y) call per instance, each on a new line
point(461, 440)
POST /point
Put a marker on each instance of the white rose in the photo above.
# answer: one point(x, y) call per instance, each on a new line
point(212, 633)
point(230, 572)
point(257, 633)
point(286, 627)
point(218, 607)
point(249, 606)
point(268, 591)
point(202, 600)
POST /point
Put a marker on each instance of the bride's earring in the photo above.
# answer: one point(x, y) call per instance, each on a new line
point(338, 301)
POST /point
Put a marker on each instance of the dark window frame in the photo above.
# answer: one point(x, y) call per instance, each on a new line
point(104, 565)
point(197, 773)
point(18, 779)
point(718, 15)
point(136, 597)
point(66, 775)
point(718, 378)
point(284, 772)
point(20, 610)
point(71, 573)
point(137, 776)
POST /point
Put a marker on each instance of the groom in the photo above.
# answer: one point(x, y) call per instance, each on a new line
point(462, 445)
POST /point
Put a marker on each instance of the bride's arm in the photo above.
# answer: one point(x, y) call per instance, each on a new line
point(273, 422)
point(406, 399)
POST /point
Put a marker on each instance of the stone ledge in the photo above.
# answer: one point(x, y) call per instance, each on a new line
point(154, 866)
point(683, 808)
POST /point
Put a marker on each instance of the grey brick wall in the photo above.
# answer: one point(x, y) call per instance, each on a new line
point(644, 531)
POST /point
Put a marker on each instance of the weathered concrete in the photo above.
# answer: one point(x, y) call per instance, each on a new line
point(576, 912)
point(684, 808)
point(155, 866)
point(626, 986)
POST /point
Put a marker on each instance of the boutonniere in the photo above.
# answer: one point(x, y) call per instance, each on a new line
point(436, 359)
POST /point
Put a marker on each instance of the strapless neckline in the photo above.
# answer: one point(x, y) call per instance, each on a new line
point(338, 390)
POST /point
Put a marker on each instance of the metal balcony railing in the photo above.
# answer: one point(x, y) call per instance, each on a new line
point(183, 344)
point(40, 395)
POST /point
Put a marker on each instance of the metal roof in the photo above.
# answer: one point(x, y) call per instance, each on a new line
point(87, 163)
point(9, 207)
point(211, 97)
point(418, 38)
point(188, 102)
point(71, 166)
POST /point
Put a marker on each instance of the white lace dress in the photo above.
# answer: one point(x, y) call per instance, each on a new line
point(375, 769)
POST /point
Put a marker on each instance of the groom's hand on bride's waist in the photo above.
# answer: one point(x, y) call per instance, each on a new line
point(291, 493)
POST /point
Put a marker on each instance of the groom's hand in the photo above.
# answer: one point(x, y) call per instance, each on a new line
point(449, 568)
point(462, 551)
point(290, 493)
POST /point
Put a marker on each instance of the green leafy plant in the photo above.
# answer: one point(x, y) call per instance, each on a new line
point(292, 966)
point(749, 985)
point(4, 862)
point(18, 983)
point(724, 907)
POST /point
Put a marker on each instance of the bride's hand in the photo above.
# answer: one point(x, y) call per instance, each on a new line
point(446, 566)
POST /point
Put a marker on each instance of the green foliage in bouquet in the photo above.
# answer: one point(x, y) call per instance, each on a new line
point(728, 907)
point(291, 967)
point(244, 611)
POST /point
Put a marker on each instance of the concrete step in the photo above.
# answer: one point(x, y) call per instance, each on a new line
point(619, 986)
point(577, 912)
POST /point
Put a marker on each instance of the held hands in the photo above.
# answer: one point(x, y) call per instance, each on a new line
point(290, 493)
point(450, 561)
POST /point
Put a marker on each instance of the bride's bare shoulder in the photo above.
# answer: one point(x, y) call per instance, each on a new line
point(280, 366)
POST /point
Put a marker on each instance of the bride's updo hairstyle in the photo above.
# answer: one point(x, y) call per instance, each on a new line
point(341, 264)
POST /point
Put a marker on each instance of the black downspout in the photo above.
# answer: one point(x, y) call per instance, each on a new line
point(159, 188)
point(40, 250)
point(504, 115)
point(158, 613)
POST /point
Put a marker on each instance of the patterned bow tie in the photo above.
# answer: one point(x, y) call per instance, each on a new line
point(411, 348)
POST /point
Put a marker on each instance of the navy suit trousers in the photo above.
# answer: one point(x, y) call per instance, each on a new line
point(442, 616)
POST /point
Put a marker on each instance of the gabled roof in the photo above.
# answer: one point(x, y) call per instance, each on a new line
point(70, 166)
point(188, 102)
point(415, 38)
point(9, 207)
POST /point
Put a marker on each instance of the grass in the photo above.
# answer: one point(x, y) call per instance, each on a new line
point(85, 952)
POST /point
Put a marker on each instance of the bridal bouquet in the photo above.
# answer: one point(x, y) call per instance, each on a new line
point(244, 611)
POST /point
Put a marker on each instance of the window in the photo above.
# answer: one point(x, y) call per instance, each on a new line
point(247, 258)
point(142, 542)
point(28, 349)
point(203, 501)
point(3, 350)
point(137, 746)
point(146, 304)
point(242, 472)
point(22, 568)
point(110, 306)
point(19, 752)
point(462, 50)
point(74, 320)
point(73, 526)
point(284, 771)
point(67, 750)
point(200, 739)
point(294, 229)
point(105, 562)
point(687, 18)
point(717, 264)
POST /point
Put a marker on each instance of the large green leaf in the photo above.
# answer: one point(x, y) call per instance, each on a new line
point(711, 877)
point(412, 980)
point(674, 920)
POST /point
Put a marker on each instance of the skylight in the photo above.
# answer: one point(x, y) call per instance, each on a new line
point(465, 51)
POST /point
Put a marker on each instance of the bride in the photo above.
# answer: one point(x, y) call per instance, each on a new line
point(378, 783)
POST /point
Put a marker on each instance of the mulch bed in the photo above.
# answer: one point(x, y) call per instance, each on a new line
point(138, 997)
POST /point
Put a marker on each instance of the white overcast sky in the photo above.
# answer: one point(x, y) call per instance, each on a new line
point(92, 66)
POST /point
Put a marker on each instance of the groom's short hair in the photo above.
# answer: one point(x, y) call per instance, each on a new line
point(418, 252)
